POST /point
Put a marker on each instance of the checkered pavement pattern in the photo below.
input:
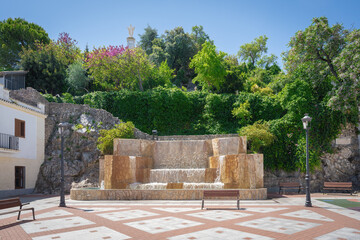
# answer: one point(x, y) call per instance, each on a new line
point(86, 221)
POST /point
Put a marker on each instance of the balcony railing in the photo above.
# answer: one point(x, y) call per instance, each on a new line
point(9, 141)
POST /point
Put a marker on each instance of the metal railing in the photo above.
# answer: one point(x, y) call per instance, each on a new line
point(9, 141)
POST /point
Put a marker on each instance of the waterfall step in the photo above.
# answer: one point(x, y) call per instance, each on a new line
point(195, 175)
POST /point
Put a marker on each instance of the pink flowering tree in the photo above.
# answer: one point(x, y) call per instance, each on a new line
point(116, 67)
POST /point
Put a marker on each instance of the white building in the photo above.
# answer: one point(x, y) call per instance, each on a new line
point(22, 144)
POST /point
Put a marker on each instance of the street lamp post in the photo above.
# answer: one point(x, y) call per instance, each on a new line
point(62, 127)
point(154, 134)
point(306, 120)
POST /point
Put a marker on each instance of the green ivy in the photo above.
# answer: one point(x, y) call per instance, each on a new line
point(173, 111)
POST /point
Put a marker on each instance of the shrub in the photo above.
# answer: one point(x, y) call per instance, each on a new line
point(106, 141)
point(258, 135)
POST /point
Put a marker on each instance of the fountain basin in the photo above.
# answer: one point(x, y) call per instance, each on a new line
point(177, 170)
point(83, 194)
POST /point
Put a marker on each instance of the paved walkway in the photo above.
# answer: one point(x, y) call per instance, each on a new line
point(278, 218)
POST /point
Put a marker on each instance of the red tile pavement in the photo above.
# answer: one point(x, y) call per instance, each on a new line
point(11, 229)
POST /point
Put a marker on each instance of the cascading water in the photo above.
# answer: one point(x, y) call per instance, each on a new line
point(218, 171)
point(133, 167)
point(196, 175)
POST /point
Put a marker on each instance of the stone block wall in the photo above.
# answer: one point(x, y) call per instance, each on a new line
point(223, 158)
point(120, 171)
point(245, 171)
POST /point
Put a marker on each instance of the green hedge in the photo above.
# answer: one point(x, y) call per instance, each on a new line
point(175, 112)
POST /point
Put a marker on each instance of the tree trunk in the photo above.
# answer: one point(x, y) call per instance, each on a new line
point(140, 81)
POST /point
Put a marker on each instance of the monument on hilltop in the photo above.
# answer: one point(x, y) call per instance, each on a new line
point(131, 39)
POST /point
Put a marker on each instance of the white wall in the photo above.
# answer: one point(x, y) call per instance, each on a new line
point(27, 145)
point(31, 148)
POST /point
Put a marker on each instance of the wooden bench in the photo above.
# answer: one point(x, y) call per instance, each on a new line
point(14, 202)
point(347, 186)
point(289, 185)
point(221, 193)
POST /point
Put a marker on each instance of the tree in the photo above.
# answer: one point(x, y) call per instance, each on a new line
point(158, 54)
point(136, 67)
point(209, 66)
point(16, 34)
point(46, 69)
point(146, 39)
point(251, 52)
point(236, 75)
point(331, 50)
point(47, 64)
point(199, 36)
point(76, 78)
point(179, 48)
point(116, 67)
point(161, 76)
point(68, 48)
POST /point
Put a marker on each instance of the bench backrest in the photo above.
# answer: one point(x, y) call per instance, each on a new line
point(338, 184)
point(11, 202)
point(221, 193)
point(289, 184)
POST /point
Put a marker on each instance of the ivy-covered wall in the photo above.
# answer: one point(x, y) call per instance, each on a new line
point(177, 112)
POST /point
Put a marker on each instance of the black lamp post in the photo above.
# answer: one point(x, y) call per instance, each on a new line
point(306, 121)
point(155, 134)
point(62, 127)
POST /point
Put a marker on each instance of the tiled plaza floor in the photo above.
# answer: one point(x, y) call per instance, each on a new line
point(278, 218)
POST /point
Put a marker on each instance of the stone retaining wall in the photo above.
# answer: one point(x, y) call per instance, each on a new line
point(169, 194)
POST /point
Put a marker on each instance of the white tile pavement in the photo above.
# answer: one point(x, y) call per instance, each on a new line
point(126, 215)
point(308, 214)
point(99, 209)
point(263, 210)
point(55, 213)
point(86, 234)
point(343, 233)
point(279, 225)
point(159, 225)
point(219, 215)
point(220, 233)
point(176, 210)
point(54, 224)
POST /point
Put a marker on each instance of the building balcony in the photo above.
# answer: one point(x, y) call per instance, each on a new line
point(8, 142)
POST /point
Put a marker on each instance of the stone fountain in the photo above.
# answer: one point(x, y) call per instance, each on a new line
point(178, 170)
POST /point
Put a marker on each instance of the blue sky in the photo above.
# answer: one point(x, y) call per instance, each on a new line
point(229, 23)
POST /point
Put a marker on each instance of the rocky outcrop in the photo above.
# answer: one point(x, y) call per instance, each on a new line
point(343, 165)
point(81, 155)
point(80, 151)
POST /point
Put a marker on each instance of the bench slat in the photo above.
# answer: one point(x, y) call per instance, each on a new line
point(289, 185)
point(9, 203)
point(14, 202)
point(337, 184)
point(347, 186)
point(221, 193)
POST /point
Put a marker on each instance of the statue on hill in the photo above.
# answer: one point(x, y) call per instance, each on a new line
point(131, 30)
